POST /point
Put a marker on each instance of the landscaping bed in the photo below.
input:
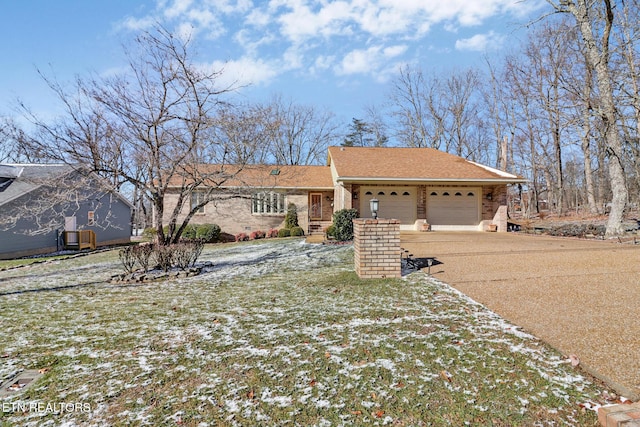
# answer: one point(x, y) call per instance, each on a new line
point(590, 227)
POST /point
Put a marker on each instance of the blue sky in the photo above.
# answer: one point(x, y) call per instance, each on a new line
point(340, 55)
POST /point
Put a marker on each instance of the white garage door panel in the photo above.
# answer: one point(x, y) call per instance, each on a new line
point(396, 202)
point(453, 206)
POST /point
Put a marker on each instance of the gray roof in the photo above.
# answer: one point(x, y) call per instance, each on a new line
point(29, 177)
point(32, 176)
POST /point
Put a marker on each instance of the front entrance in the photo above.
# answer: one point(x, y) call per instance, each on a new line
point(70, 225)
point(315, 206)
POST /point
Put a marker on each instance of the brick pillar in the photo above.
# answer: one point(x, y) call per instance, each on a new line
point(377, 248)
point(500, 218)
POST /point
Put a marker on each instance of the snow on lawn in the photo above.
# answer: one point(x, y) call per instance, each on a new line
point(275, 332)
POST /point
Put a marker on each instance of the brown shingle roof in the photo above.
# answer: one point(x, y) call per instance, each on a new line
point(405, 164)
point(265, 176)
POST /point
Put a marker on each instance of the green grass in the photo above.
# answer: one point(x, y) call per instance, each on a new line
point(20, 262)
point(277, 334)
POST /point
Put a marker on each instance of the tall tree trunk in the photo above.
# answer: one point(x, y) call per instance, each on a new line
point(586, 140)
point(583, 11)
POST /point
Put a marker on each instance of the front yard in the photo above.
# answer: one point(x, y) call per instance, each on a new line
point(277, 332)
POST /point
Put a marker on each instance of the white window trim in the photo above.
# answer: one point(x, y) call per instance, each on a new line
point(197, 197)
point(268, 203)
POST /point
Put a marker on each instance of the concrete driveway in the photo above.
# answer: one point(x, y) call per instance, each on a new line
point(580, 296)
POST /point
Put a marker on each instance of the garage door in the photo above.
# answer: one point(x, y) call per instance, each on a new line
point(395, 202)
point(453, 206)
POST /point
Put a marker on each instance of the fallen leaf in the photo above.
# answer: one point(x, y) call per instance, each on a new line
point(251, 394)
point(313, 383)
point(399, 385)
point(373, 396)
point(590, 406)
point(379, 413)
point(327, 355)
point(574, 360)
point(446, 376)
point(43, 370)
point(356, 412)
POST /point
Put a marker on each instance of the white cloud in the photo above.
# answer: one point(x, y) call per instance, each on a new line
point(393, 51)
point(177, 8)
point(374, 61)
point(244, 71)
point(481, 42)
point(371, 36)
point(134, 24)
point(323, 62)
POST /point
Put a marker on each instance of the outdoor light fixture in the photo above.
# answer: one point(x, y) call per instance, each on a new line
point(489, 196)
point(374, 204)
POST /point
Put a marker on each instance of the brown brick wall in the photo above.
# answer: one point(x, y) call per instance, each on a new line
point(377, 248)
point(234, 215)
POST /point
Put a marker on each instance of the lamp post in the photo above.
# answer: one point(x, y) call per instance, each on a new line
point(374, 205)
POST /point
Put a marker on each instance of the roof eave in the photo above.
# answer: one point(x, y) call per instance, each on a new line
point(433, 180)
point(274, 187)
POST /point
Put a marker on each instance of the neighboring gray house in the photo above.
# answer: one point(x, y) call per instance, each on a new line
point(45, 208)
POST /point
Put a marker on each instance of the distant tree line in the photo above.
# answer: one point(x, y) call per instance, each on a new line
point(561, 109)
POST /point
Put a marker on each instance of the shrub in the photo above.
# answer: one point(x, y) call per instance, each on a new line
point(343, 224)
point(272, 233)
point(149, 233)
point(186, 253)
point(142, 254)
point(127, 259)
point(209, 233)
point(258, 234)
point(189, 231)
point(330, 231)
point(163, 256)
point(242, 237)
point(297, 231)
point(291, 219)
point(284, 232)
point(226, 237)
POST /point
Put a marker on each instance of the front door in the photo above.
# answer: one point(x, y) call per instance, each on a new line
point(315, 206)
point(70, 225)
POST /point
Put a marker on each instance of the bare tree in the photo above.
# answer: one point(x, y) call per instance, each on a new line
point(151, 127)
point(460, 96)
point(527, 132)
point(595, 20)
point(11, 150)
point(302, 133)
point(375, 118)
point(629, 38)
point(417, 109)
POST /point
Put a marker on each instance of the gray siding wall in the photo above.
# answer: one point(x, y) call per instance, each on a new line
point(112, 225)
